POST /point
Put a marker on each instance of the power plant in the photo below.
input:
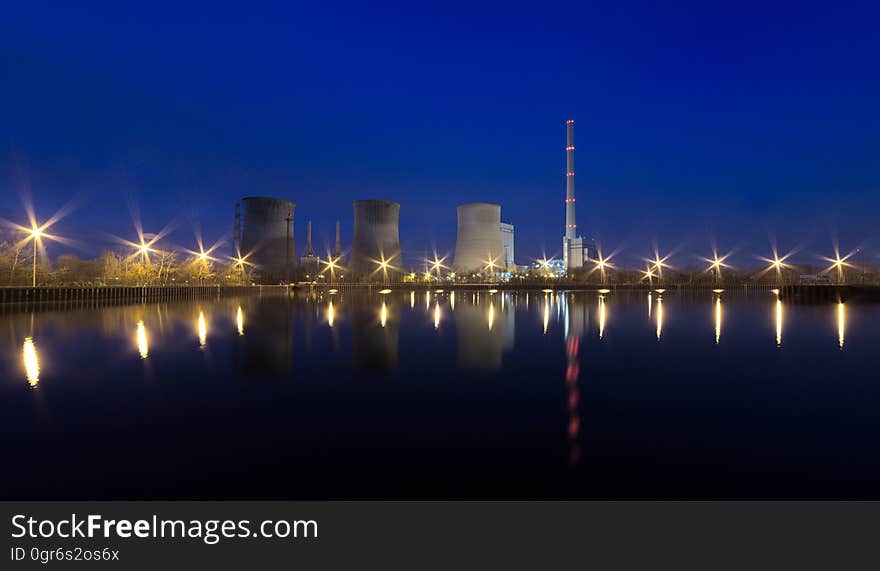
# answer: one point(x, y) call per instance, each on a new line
point(263, 231)
point(478, 246)
point(577, 251)
point(375, 250)
point(266, 227)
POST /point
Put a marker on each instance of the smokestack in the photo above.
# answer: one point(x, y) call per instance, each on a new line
point(570, 224)
point(309, 251)
point(337, 251)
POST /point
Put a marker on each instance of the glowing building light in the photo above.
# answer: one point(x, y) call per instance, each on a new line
point(239, 320)
point(31, 362)
point(384, 291)
point(141, 340)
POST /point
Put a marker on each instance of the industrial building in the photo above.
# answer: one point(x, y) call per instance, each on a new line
point(375, 250)
point(478, 245)
point(266, 236)
point(577, 251)
point(507, 243)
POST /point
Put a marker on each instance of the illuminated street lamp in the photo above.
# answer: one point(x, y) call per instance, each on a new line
point(838, 264)
point(490, 266)
point(602, 264)
point(331, 264)
point(715, 265)
point(383, 265)
point(777, 264)
point(657, 264)
point(437, 264)
point(648, 274)
point(36, 234)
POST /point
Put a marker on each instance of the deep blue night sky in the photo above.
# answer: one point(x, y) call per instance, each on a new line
point(694, 119)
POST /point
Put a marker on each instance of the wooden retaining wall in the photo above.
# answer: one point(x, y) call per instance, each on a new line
point(120, 294)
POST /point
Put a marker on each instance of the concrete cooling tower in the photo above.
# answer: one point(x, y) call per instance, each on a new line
point(376, 238)
point(479, 237)
point(267, 236)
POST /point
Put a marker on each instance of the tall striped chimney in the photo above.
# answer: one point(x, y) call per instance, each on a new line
point(570, 224)
point(337, 251)
point(309, 251)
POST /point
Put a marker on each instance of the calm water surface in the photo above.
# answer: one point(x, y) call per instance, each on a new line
point(434, 395)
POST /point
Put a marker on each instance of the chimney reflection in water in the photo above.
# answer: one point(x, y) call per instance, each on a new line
point(576, 316)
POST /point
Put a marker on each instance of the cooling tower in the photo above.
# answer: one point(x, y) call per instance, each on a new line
point(267, 236)
point(376, 239)
point(479, 238)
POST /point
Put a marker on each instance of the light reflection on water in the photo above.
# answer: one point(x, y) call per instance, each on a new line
point(202, 327)
point(497, 363)
point(659, 317)
point(778, 322)
point(511, 307)
point(141, 340)
point(31, 362)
